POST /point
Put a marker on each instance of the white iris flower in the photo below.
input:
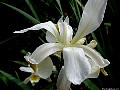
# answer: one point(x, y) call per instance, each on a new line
point(80, 61)
point(39, 71)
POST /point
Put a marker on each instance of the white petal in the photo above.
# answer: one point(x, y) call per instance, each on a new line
point(29, 59)
point(66, 32)
point(62, 82)
point(49, 26)
point(45, 50)
point(95, 70)
point(45, 68)
point(27, 69)
point(60, 20)
point(77, 66)
point(26, 80)
point(67, 20)
point(92, 17)
point(50, 37)
point(95, 56)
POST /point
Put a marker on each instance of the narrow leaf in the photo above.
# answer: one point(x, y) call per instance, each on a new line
point(18, 82)
point(32, 9)
point(32, 19)
point(90, 84)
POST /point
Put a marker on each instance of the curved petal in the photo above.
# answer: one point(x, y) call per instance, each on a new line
point(66, 32)
point(95, 70)
point(27, 69)
point(49, 26)
point(45, 68)
point(26, 80)
point(29, 59)
point(95, 56)
point(92, 17)
point(50, 37)
point(62, 82)
point(77, 66)
point(45, 50)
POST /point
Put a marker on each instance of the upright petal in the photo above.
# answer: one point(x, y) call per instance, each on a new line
point(66, 32)
point(45, 68)
point(95, 56)
point(45, 50)
point(62, 82)
point(77, 66)
point(92, 17)
point(67, 20)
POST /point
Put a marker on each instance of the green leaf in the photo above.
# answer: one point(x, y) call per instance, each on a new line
point(21, 63)
point(29, 3)
point(90, 84)
point(4, 79)
point(18, 82)
point(58, 2)
point(32, 19)
point(8, 39)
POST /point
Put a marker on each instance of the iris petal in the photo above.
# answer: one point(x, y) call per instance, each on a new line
point(77, 66)
point(66, 32)
point(45, 50)
point(27, 69)
point(45, 68)
point(62, 82)
point(95, 56)
point(92, 17)
point(49, 26)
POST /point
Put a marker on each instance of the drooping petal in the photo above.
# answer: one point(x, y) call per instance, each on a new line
point(95, 56)
point(62, 82)
point(95, 70)
point(50, 37)
point(45, 50)
point(77, 66)
point(49, 26)
point(27, 69)
point(45, 68)
point(66, 32)
point(92, 17)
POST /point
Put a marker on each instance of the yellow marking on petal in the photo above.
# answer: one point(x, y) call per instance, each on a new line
point(34, 78)
point(56, 25)
point(33, 66)
point(103, 71)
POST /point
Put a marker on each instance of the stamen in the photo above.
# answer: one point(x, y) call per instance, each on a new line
point(81, 41)
point(103, 71)
point(92, 44)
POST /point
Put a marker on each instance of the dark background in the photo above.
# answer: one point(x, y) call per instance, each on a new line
point(11, 44)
